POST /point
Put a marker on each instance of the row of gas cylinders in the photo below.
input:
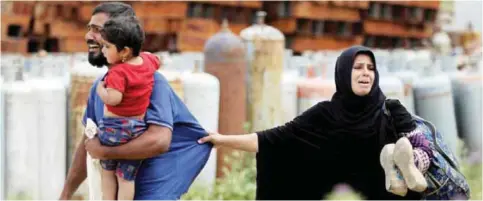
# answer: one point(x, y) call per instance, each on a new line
point(34, 143)
point(42, 100)
point(236, 80)
point(33, 129)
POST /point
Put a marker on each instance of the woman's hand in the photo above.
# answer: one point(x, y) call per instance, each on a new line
point(244, 142)
point(212, 137)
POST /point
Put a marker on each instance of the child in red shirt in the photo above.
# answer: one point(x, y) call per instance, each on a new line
point(126, 91)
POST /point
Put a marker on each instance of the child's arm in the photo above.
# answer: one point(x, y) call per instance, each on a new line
point(109, 96)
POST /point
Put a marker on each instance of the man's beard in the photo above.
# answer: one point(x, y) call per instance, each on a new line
point(97, 59)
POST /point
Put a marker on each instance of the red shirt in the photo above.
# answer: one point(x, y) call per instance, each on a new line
point(135, 82)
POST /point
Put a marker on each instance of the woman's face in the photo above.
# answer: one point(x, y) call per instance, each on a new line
point(363, 74)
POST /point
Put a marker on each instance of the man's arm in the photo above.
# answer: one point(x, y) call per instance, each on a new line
point(154, 141)
point(77, 172)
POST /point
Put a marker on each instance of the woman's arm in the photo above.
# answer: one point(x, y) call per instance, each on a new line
point(244, 142)
point(301, 129)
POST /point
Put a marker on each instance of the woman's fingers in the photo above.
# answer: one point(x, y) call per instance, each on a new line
point(205, 139)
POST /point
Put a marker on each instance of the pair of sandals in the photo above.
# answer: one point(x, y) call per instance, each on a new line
point(401, 173)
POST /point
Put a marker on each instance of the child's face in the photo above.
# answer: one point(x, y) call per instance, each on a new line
point(110, 52)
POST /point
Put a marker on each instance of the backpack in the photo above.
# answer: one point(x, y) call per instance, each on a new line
point(445, 180)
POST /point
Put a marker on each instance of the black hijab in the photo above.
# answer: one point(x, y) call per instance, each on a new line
point(363, 116)
point(348, 113)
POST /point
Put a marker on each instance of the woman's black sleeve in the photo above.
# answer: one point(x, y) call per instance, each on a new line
point(288, 160)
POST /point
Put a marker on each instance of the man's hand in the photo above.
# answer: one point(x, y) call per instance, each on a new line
point(94, 148)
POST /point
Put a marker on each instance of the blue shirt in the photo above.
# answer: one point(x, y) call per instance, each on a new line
point(168, 175)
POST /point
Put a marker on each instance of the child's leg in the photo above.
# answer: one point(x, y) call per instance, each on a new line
point(126, 176)
point(404, 160)
point(394, 181)
point(126, 189)
point(117, 131)
point(109, 185)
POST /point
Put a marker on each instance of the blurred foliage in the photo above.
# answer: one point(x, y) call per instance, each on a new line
point(472, 169)
point(20, 196)
point(472, 173)
point(239, 183)
point(343, 192)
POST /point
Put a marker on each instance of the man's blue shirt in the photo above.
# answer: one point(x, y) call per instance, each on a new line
point(169, 175)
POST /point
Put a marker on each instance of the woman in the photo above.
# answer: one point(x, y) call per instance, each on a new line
point(337, 141)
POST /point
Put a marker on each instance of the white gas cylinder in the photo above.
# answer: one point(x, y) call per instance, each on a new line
point(202, 97)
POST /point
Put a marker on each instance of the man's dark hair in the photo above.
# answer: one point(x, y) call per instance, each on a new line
point(124, 32)
point(114, 9)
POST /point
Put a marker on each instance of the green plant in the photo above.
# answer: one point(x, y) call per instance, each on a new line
point(237, 184)
point(20, 196)
point(471, 167)
point(472, 173)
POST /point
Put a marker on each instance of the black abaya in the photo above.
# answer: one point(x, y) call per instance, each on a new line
point(335, 141)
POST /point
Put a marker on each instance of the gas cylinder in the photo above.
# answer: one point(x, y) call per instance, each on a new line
point(312, 90)
point(289, 89)
point(21, 141)
point(265, 51)
point(434, 102)
point(467, 93)
point(467, 96)
point(289, 96)
point(402, 65)
point(391, 86)
point(173, 76)
point(50, 92)
point(299, 64)
point(202, 97)
point(408, 78)
point(2, 137)
point(224, 58)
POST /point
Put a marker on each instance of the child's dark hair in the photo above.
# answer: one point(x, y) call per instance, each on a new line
point(125, 31)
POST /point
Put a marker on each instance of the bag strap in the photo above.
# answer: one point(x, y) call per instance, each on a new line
point(436, 145)
point(387, 112)
point(433, 134)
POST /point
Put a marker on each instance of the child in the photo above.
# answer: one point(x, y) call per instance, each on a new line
point(126, 91)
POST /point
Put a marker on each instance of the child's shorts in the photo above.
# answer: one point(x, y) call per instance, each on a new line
point(114, 131)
